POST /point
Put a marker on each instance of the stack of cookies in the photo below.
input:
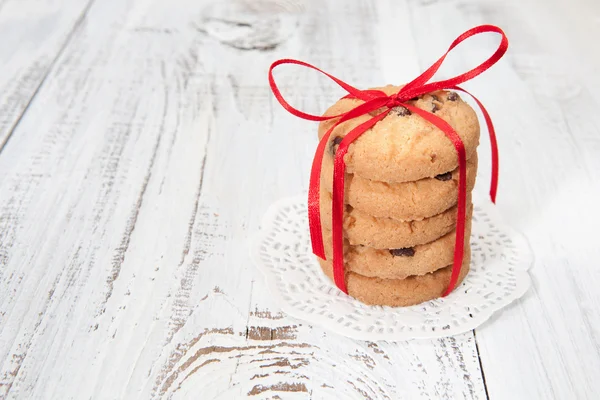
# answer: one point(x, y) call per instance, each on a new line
point(401, 191)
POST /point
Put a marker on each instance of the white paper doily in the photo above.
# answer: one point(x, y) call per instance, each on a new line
point(500, 258)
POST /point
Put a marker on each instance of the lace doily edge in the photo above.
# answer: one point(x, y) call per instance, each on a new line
point(523, 279)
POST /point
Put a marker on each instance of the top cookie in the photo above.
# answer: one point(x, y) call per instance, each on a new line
point(403, 146)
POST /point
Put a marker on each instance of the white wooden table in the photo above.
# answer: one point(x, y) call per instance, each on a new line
point(140, 146)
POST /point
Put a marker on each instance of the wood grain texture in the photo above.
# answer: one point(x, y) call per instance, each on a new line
point(33, 34)
point(142, 165)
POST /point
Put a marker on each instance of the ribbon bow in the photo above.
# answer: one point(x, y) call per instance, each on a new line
point(374, 100)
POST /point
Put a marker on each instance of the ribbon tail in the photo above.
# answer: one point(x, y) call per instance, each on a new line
point(337, 223)
point(459, 244)
point(314, 189)
point(314, 197)
point(461, 216)
point(493, 144)
point(337, 214)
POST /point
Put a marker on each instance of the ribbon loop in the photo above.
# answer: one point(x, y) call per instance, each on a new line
point(359, 94)
point(373, 100)
point(420, 86)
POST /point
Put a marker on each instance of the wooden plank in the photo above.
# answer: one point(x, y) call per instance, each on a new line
point(546, 346)
point(129, 191)
point(33, 34)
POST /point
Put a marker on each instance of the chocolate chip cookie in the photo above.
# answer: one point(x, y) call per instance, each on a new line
point(361, 228)
point(399, 292)
point(404, 201)
point(401, 262)
point(404, 146)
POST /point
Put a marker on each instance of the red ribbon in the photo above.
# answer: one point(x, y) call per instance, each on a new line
point(373, 100)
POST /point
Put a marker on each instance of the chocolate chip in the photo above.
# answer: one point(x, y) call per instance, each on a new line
point(452, 96)
point(401, 111)
point(434, 107)
point(415, 98)
point(334, 143)
point(405, 252)
point(435, 98)
point(444, 177)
